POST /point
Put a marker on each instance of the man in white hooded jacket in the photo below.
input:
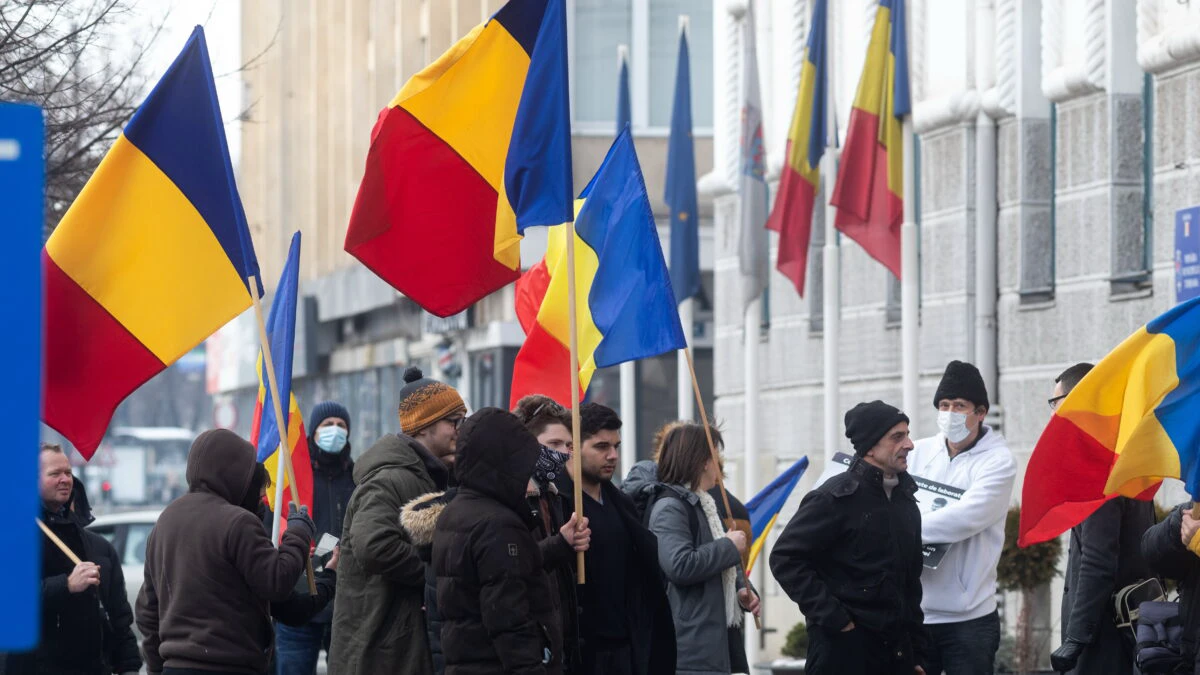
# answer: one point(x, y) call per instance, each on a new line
point(959, 597)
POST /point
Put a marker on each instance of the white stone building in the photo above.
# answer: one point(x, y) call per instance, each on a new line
point(1055, 144)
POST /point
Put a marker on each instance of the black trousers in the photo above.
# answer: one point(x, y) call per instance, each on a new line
point(608, 659)
point(856, 652)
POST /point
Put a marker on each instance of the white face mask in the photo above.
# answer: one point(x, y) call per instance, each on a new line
point(953, 425)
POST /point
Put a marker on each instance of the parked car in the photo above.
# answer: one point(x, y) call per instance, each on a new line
point(128, 532)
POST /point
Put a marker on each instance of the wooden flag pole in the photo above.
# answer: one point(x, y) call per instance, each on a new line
point(284, 446)
point(716, 457)
point(59, 543)
point(576, 462)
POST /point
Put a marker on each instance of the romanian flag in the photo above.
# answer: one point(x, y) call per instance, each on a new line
point(151, 258)
point(474, 149)
point(1127, 425)
point(792, 214)
point(765, 506)
point(264, 429)
point(626, 308)
point(869, 193)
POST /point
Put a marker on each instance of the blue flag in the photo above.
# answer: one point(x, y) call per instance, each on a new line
point(765, 506)
point(281, 332)
point(680, 194)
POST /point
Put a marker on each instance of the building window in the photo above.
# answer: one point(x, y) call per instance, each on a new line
point(1130, 209)
point(651, 30)
point(1038, 214)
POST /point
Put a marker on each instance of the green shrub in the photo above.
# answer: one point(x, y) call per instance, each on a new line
point(796, 644)
point(1025, 568)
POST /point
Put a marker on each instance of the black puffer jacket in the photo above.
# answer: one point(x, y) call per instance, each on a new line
point(497, 611)
point(852, 554)
point(558, 559)
point(75, 637)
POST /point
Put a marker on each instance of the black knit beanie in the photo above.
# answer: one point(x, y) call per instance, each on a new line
point(866, 423)
point(326, 409)
point(962, 380)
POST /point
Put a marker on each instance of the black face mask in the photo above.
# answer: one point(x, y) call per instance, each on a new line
point(549, 465)
point(262, 510)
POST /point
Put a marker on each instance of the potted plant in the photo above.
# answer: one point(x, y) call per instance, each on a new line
point(1026, 570)
point(794, 651)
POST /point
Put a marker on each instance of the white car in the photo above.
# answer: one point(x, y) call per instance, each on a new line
point(128, 532)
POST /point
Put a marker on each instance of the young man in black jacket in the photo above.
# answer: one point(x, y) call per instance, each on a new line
point(625, 623)
point(86, 619)
point(1172, 551)
point(851, 556)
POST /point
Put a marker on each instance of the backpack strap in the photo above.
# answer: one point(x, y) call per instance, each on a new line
point(663, 492)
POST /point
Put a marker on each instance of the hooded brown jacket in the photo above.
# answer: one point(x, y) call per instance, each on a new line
point(211, 571)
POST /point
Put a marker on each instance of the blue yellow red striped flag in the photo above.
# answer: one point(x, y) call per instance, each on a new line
point(765, 506)
point(152, 257)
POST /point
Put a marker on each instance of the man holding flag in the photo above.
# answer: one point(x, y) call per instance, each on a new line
point(851, 556)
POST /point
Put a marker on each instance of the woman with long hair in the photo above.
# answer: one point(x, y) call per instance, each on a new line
point(698, 557)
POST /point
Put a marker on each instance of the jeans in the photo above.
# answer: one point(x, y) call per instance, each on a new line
point(296, 649)
point(963, 648)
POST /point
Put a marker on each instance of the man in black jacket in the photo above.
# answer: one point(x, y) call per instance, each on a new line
point(498, 615)
point(86, 619)
point(625, 623)
point(1105, 555)
point(851, 556)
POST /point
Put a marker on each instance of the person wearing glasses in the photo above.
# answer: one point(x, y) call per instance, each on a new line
point(959, 600)
point(378, 625)
point(1104, 556)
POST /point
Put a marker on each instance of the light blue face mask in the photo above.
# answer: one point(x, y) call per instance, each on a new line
point(331, 439)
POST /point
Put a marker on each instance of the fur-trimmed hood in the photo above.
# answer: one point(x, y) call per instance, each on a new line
point(419, 517)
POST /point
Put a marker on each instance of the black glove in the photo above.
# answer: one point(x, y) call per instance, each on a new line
point(1066, 656)
point(299, 522)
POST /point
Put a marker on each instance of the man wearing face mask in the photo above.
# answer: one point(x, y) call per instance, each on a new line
point(297, 648)
point(961, 622)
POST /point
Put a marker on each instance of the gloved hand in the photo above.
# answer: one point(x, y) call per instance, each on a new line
point(299, 522)
point(1066, 656)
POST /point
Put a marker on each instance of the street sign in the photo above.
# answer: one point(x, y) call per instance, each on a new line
point(1187, 253)
point(22, 178)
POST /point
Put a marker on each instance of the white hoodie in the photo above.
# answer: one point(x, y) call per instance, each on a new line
point(963, 587)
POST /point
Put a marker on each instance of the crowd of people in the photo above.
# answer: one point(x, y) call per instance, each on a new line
point(458, 539)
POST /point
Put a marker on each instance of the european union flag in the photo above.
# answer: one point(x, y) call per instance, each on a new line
point(680, 194)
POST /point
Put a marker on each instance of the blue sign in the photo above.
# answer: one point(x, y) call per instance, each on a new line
point(22, 178)
point(1187, 253)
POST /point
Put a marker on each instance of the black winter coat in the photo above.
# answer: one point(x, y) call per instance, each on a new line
point(1105, 555)
point(558, 559)
point(498, 616)
point(333, 483)
point(419, 518)
point(76, 637)
point(650, 620)
point(851, 554)
point(1168, 557)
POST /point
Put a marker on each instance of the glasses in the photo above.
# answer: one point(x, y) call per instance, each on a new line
point(551, 406)
point(456, 422)
point(1054, 401)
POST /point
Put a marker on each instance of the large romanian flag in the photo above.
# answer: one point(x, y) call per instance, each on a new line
point(264, 429)
point(792, 214)
point(764, 508)
point(1127, 425)
point(474, 149)
point(869, 193)
point(151, 258)
point(626, 308)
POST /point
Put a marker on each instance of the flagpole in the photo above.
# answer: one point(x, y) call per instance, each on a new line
point(285, 456)
point(687, 317)
point(831, 270)
point(576, 463)
point(909, 280)
point(627, 369)
point(276, 517)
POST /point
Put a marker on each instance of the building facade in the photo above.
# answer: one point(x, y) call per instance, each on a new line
point(1052, 153)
